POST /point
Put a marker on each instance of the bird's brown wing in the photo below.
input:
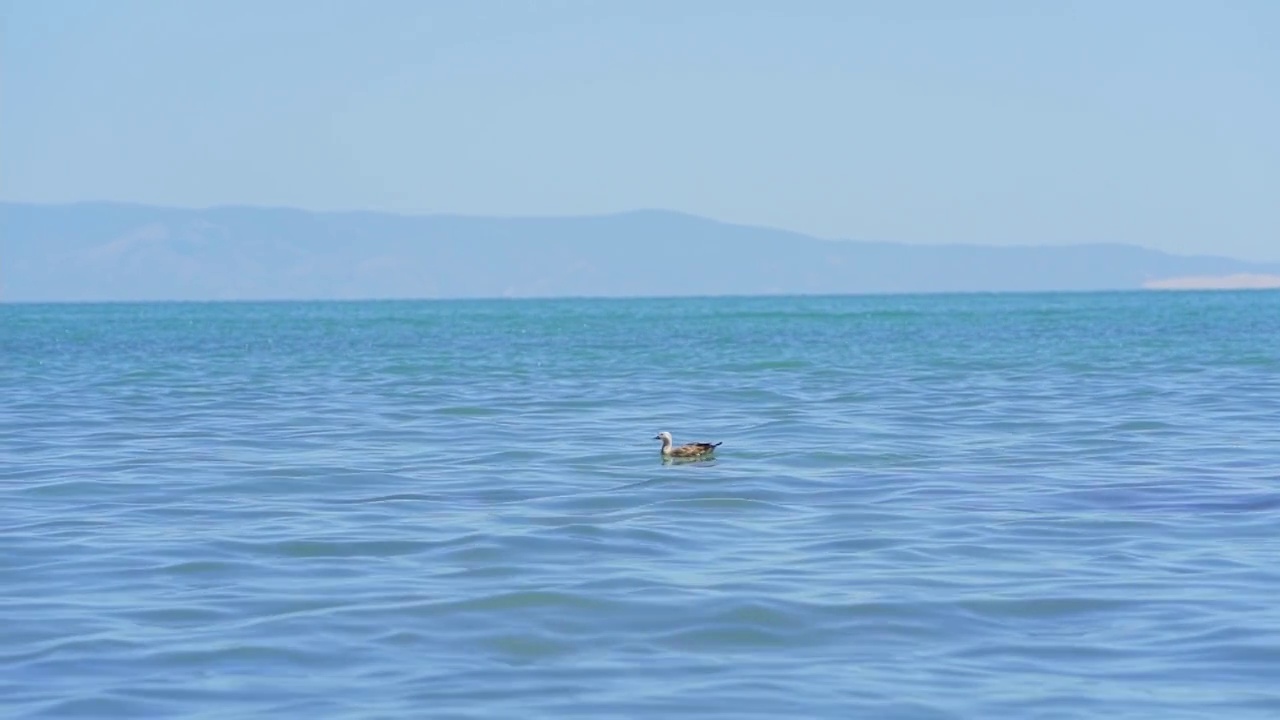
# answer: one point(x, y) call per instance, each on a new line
point(692, 449)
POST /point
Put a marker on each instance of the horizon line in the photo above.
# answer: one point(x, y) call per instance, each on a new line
point(1147, 290)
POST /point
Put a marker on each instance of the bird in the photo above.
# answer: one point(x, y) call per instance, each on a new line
point(692, 450)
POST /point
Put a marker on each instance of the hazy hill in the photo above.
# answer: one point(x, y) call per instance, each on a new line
point(129, 252)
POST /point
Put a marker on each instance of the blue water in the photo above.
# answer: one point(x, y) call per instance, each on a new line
point(1022, 506)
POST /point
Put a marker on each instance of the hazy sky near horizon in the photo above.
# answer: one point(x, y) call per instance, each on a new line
point(982, 122)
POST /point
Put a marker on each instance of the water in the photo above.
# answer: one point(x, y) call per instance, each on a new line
point(1031, 506)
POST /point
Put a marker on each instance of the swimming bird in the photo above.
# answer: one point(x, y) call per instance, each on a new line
point(692, 450)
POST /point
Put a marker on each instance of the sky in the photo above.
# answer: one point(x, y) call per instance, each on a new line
point(1143, 121)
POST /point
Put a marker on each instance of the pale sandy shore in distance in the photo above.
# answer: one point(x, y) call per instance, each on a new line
point(1220, 282)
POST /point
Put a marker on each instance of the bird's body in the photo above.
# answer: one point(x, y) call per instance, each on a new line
point(691, 450)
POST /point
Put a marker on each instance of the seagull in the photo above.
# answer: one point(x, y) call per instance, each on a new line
point(692, 450)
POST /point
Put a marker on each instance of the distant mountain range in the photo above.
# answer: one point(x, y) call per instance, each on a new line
point(101, 251)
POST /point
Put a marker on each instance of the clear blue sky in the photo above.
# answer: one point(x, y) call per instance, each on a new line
point(1150, 122)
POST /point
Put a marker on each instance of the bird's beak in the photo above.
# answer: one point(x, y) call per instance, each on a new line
point(657, 437)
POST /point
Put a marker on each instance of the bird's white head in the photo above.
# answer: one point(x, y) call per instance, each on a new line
point(664, 436)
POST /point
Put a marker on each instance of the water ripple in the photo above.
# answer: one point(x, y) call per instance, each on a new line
point(1039, 506)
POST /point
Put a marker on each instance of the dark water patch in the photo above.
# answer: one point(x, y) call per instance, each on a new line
point(399, 497)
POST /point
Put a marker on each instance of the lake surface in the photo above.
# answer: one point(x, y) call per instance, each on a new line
point(1022, 506)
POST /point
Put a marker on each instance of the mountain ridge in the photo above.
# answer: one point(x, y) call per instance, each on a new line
point(106, 251)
